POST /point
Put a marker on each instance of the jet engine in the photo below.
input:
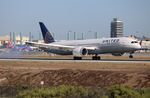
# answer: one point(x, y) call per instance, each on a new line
point(80, 51)
point(117, 54)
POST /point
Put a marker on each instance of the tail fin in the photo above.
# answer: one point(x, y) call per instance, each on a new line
point(48, 38)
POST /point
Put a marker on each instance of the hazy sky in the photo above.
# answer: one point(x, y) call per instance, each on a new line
point(80, 16)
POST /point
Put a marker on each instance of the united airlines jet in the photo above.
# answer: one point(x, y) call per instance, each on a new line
point(79, 48)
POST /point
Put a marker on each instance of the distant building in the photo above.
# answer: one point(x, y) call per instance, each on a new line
point(17, 40)
point(116, 28)
point(4, 40)
point(21, 39)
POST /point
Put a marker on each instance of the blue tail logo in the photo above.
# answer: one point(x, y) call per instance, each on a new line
point(48, 38)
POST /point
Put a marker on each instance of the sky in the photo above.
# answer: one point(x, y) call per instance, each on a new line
point(80, 16)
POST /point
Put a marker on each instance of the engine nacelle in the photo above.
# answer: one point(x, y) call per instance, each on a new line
point(117, 54)
point(80, 51)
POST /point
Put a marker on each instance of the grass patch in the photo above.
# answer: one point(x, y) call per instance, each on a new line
point(68, 91)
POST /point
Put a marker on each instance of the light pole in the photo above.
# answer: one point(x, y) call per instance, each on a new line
point(82, 36)
point(14, 38)
point(20, 38)
point(10, 37)
point(68, 35)
point(74, 35)
point(30, 36)
point(95, 35)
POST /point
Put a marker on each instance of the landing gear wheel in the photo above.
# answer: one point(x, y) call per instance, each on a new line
point(96, 58)
point(77, 58)
point(130, 56)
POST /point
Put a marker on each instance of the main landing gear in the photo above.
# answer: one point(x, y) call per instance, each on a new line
point(96, 57)
point(77, 58)
point(131, 56)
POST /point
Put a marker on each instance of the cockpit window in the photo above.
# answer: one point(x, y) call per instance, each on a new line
point(134, 42)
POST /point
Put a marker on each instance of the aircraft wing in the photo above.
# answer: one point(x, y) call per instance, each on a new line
point(56, 46)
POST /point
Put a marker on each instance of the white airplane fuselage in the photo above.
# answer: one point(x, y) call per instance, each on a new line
point(103, 45)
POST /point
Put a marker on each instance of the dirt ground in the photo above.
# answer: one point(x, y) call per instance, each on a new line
point(102, 74)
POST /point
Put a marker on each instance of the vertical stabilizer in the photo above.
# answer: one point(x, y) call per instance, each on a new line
point(47, 36)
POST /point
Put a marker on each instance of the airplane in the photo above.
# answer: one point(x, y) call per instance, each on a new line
point(22, 48)
point(13, 47)
point(78, 48)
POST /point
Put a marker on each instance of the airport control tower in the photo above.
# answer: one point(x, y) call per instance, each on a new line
point(116, 28)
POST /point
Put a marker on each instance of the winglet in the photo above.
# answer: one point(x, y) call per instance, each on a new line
point(48, 38)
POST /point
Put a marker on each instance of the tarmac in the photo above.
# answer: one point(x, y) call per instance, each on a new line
point(70, 60)
point(40, 57)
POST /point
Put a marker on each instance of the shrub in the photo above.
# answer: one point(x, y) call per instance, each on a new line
point(55, 92)
point(120, 91)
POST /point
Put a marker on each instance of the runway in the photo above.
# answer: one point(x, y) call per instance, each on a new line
point(70, 60)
